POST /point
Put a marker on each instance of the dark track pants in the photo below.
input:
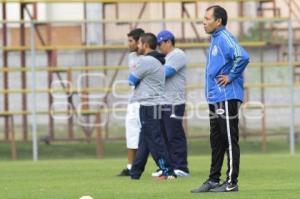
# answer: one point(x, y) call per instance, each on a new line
point(224, 138)
point(174, 135)
point(151, 141)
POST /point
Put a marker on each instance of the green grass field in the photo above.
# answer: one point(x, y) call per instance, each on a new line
point(262, 176)
point(70, 170)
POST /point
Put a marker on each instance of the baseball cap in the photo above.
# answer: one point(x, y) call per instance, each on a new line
point(164, 36)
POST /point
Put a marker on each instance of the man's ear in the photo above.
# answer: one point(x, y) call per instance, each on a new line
point(219, 21)
point(145, 45)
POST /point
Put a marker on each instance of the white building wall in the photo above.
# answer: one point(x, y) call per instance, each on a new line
point(47, 11)
point(65, 11)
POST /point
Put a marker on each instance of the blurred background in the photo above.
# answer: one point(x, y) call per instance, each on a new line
point(63, 79)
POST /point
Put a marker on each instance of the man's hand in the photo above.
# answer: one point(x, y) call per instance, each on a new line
point(223, 80)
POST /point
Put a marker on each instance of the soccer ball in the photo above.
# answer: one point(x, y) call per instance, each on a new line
point(85, 197)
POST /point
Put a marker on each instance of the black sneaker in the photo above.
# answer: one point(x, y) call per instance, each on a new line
point(206, 187)
point(226, 187)
point(125, 172)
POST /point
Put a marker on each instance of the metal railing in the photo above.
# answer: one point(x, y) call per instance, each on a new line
point(33, 48)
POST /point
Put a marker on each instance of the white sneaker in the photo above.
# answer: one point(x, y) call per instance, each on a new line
point(157, 173)
point(180, 173)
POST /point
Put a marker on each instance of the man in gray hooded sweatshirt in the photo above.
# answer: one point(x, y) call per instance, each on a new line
point(149, 81)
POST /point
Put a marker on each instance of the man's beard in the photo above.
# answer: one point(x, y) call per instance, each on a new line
point(133, 49)
point(140, 51)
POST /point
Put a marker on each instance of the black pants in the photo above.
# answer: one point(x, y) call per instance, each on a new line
point(224, 138)
point(151, 141)
point(172, 116)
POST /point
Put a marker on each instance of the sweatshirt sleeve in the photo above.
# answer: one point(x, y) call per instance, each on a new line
point(174, 63)
point(236, 53)
point(133, 80)
point(139, 72)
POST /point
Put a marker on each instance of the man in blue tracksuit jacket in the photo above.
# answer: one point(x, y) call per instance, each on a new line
point(224, 92)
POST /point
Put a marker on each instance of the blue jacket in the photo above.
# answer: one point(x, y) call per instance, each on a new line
point(225, 57)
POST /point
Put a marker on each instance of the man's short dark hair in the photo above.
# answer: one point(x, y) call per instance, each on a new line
point(219, 13)
point(173, 42)
point(136, 33)
point(150, 39)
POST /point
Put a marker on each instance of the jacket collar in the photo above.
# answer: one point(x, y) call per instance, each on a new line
point(217, 31)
